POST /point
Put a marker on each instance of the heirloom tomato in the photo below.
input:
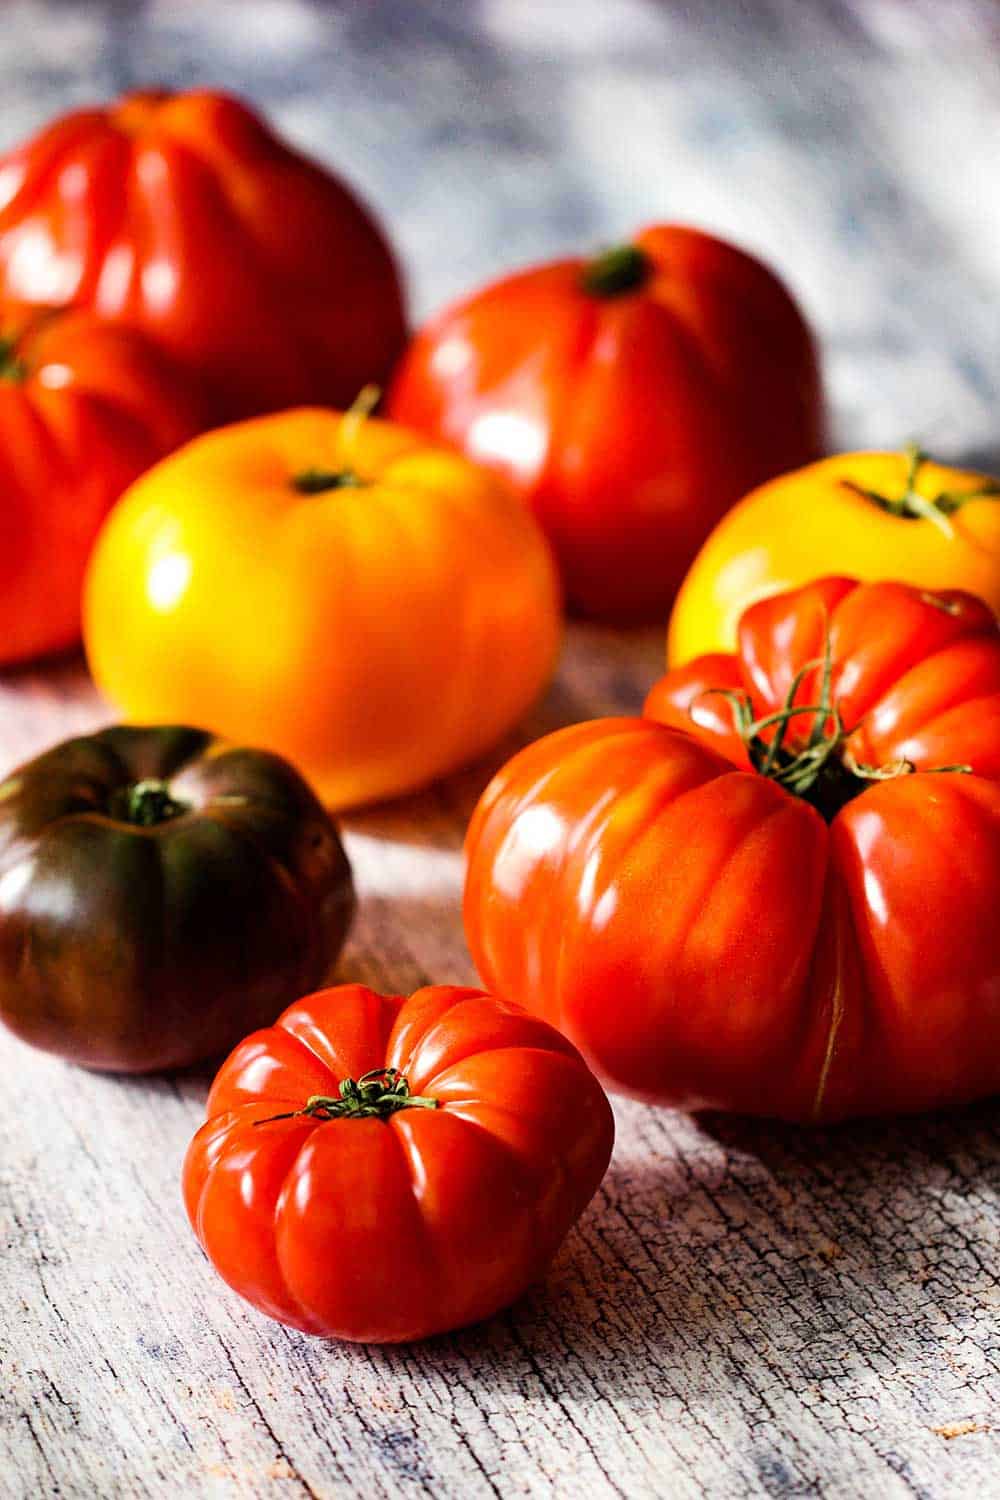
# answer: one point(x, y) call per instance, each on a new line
point(181, 214)
point(160, 893)
point(376, 609)
point(780, 899)
point(382, 1169)
point(861, 514)
point(84, 408)
point(631, 399)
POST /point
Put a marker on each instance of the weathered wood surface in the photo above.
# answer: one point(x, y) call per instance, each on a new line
point(746, 1310)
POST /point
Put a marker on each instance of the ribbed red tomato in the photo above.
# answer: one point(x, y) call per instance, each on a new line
point(184, 216)
point(84, 408)
point(794, 916)
point(381, 1169)
point(631, 399)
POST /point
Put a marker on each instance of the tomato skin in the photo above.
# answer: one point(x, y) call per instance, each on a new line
point(630, 422)
point(84, 409)
point(352, 630)
point(814, 520)
point(254, 268)
point(387, 1230)
point(704, 936)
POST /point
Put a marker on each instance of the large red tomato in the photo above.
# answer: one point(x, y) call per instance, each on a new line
point(381, 1169)
point(631, 399)
point(183, 215)
point(85, 407)
point(797, 919)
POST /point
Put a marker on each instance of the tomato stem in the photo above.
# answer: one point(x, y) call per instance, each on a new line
point(150, 802)
point(12, 367)
point(375, 1095)
point(822, 770)
point(315, 481)
point(913, 506)
point(344, 475)
point(624, 268)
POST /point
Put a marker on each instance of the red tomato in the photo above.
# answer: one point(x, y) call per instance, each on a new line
point(381, 1169)
point(799, 921)
point(631, 399)
point(84, 409)
point(181, 214)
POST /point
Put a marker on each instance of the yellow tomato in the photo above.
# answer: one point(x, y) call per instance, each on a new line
point(865, 515)
point(377, 609)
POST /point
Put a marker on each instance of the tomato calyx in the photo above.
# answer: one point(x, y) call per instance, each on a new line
point(624, 268)
point(12, 367)
point(822, 769)
point(147, 803)
point(375, 1095)
point(913, 506)
point(316, 481)
point(343, 474)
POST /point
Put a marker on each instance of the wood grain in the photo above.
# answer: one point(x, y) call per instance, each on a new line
point(746, 1310)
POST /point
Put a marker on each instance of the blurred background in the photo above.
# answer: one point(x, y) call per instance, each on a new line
point(852, 143)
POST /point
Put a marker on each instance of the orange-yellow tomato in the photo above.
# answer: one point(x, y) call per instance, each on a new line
point(859, 514)
point(376, 609)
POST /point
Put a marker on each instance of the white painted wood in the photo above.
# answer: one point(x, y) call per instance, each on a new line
point(746, 1310)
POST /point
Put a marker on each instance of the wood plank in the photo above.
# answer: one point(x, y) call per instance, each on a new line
point(746, 1309)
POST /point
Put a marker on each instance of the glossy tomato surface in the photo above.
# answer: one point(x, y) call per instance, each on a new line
point(631, 399)
point(181, 214)
point(380, 616)
point(396, 1224)
point(711, 938)
point(84, 409)
point(160, 894)
point(860, 514)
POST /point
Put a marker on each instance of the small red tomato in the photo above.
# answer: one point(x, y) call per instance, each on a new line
point(631, 400)
point(381, 1169)
point(781, 898)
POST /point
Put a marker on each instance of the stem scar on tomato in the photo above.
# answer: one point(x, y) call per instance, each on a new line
point(823, 772)
point(912, 506)
point(12, 367)
point(150, 802)
point(624, 268)
point(344, 476)
point(378, 1094)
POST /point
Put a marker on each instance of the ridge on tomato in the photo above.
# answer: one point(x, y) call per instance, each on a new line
point(775, 893)
point(381, 1169)
point(183, 215)
point(84, 409)
point(940, 526)
point(631, 399)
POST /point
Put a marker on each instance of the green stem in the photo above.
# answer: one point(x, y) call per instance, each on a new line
point(315, 481)
point(344, 476)
point(823, 770)
point(913, 506)
point(12, 368)
point(375, 1095)
point(150, 802)
point(624, 268)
